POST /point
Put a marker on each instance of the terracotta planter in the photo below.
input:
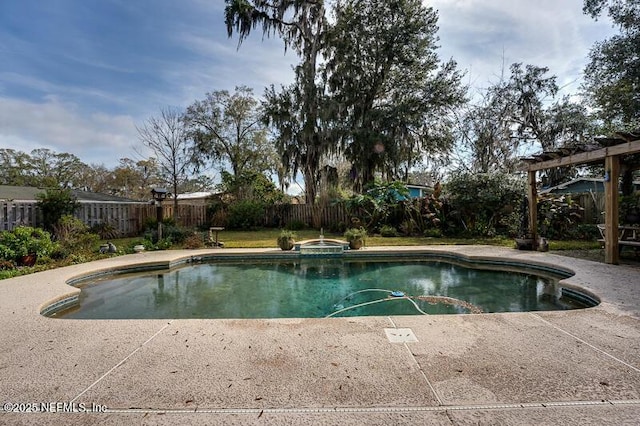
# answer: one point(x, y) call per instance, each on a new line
point(524, 243)
point(356, 244)
point(28, 260)
point(287, 244)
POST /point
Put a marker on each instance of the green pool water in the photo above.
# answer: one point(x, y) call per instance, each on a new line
point(316, 288)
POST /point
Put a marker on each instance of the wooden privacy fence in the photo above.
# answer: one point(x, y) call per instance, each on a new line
point(593, 205)
point(17, 214)
point(118, 215)
point(188, 215)
point(315, 215)
point(128, 218)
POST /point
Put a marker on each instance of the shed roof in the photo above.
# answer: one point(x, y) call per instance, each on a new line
point(195, 195)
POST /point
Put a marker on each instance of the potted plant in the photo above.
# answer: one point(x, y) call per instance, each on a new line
point(286, 240)
point(356, 237)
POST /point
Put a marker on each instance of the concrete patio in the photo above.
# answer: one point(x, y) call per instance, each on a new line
point(564, 367)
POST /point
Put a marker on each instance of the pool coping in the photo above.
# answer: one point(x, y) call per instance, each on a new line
point(25, 331)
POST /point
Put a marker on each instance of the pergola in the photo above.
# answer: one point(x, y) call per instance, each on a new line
point(622, 144)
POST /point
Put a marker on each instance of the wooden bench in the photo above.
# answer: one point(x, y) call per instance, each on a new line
point(628, 236)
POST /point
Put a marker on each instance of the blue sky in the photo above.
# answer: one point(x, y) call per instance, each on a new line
point(77, 76)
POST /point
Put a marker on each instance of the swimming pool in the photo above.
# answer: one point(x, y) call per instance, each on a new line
point(324, 287)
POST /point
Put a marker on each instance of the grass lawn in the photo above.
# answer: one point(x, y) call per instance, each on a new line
point(265, 238)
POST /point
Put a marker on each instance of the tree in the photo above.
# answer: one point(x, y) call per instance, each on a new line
point(302, 26)
point(485, 131)
point(56, 203)
point(41, 168)
point(515, 114)
point(612, 76)
point(167, 137)
point(251, 185)
point(51, 169)
point(395, 96)
point(13, 167)
point(197, 183)
point(300, 149)
point(563, 124)
point(526, 92)
point(134, 179)
point(227, 127)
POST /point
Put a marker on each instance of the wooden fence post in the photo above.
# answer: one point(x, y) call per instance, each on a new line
point(611, 181)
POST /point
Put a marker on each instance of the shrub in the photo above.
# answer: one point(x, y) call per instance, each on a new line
point(388, 231)
point(73, 236)
point(557, 216)
point(378, 203)
point(149, 245)
point(432, 232)
point(54, 204)
point(512, 224)
point(152, 223)
point(426, 212)
point(67, 227)
point(177, 234)
point(194, 241)
point(479, 202)
point(7, 244)
point(164, 244)
point(170, 231)
point(338, 228)
point(629, 210)
point(6, 265)
point(409, 227)
point(245, 214)
point(60, 253)
point(25, 240)
point(586, 232)
point(296, 225)
point(105, 231)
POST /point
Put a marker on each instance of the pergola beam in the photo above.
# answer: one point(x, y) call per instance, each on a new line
point(587, 157)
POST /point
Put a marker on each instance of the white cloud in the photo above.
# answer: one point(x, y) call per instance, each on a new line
point(95, 138)
point(222, 65)
point(68, 91)
point(480, 34)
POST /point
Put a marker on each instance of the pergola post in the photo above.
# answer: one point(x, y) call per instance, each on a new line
point(611, 181)
point(532, 197)
point(626, 144)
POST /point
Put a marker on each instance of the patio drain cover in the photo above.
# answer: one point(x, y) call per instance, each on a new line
point(400, 335)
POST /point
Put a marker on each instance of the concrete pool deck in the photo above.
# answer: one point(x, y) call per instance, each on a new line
point(562, 367)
